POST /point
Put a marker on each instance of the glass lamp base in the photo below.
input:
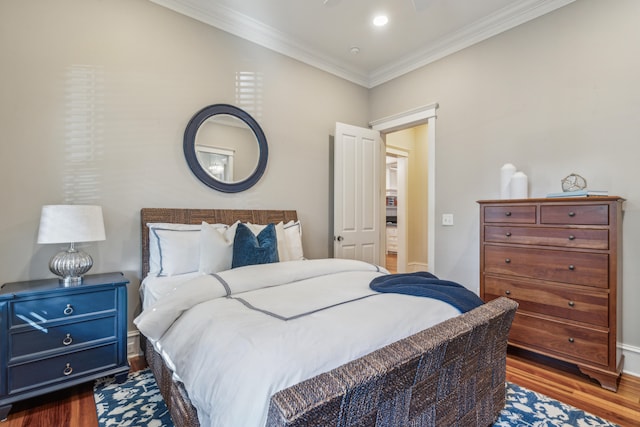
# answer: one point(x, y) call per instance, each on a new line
point(70, 265)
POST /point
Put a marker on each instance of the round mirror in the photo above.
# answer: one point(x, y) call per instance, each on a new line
point(225, 148)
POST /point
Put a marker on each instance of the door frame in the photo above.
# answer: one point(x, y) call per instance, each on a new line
point(422, 115)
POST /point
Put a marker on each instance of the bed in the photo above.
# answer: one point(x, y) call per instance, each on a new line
point(451, 372)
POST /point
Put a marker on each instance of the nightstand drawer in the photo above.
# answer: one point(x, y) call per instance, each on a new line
point(41, 310)
point(580, 268)
point(562, 301)
point(561, 237)
point(510, 214)
point(61, 368)
point(62, 337)
point(575, 342)
point(575, 214)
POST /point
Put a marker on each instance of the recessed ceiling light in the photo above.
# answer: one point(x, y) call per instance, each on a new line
point(354, 50)
point(380, 20)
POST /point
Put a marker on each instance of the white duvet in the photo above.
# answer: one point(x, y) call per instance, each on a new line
point(237, 337)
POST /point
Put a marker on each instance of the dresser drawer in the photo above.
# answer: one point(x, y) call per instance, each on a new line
point(561, 237)
point(563, 301)
point(571, 341)
point(40, 310)
point(510, 214)
point(61, 368)
point(575, 214)
point(580, 268)
point(63, 337)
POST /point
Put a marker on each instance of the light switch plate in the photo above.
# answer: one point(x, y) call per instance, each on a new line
point(447, 219)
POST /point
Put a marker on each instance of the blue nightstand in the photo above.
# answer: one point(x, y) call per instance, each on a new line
point(53, 337)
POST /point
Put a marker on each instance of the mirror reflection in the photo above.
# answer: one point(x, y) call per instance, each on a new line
point(227, 148)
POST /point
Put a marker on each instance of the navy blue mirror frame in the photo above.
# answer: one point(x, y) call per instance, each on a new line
point(189, 147)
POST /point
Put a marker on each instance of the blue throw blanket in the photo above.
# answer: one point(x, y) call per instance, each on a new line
point(425, 284)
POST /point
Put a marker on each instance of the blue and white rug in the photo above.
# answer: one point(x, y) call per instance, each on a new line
point(137, 403)
point(526, 408)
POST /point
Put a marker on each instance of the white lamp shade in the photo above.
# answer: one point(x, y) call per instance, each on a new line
point(71, 224)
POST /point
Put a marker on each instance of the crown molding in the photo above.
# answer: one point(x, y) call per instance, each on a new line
point(515, 14)
point(240, 25)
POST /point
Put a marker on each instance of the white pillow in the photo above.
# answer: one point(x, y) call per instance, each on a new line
point(216, 247)
point(155, 264)
point(179, 251)
point(293, 237)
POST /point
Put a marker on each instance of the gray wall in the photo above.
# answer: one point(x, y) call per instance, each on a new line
point(94, 99)
point(557, 95)
point(95, 96)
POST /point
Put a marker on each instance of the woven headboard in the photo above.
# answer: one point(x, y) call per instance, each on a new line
point(212, 216)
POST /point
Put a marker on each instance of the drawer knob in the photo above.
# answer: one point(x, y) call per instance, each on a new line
point(572, 237)
point(508, 234)
point(572, 304)
point(571, 340)
point(67, 370)
point(507, 260)
point(572, 267)
point(507, 292)
point(67, 340)
point(572, 214)
point(507, 213)
point(68, 310)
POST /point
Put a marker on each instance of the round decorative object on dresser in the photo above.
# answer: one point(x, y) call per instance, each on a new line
point(573, 182)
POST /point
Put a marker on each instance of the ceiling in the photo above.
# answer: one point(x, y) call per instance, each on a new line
point(324, 33)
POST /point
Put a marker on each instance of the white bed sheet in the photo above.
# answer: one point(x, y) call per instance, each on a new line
point(154, 287)
point(236, 339)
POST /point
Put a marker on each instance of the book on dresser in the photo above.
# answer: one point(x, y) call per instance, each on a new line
point(53, 337)
point(560, 260)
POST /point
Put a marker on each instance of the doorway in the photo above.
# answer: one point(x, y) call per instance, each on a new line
point(420, 116)
point(406, 200)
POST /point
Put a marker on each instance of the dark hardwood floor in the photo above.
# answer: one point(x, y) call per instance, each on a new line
point(75, 407)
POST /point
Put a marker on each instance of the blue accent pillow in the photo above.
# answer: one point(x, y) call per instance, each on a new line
point(249, 249)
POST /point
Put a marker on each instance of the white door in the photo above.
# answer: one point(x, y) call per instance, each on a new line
point(357, 193)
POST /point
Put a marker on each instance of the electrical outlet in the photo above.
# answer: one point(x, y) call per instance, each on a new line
point(447, 219)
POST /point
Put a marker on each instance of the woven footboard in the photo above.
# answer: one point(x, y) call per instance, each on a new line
point(452, 374)
point(183, 413)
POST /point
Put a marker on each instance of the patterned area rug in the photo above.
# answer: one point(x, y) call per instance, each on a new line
point(137, 403)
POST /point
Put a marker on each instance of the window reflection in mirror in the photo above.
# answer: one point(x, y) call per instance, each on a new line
point(227, 148)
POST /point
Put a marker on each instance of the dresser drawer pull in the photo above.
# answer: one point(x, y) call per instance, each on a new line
point(508, 234)
point(572, 237)
point(67, 370)
point(69, 310)
point(67, 340)
point(507, 214)
point(507, 292)
point(571, 340)
point(507, 260)
point(572, 267)
point(572, 214)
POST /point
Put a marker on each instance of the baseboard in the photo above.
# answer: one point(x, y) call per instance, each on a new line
point(133, 344)
point(631, 359)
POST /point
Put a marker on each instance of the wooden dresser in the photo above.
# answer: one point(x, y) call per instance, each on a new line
point(560, 259)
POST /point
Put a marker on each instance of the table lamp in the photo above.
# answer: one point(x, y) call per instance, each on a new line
point(70, 224)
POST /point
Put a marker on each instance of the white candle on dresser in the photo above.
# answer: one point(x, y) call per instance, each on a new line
point(519, 186)
point(506, 172)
